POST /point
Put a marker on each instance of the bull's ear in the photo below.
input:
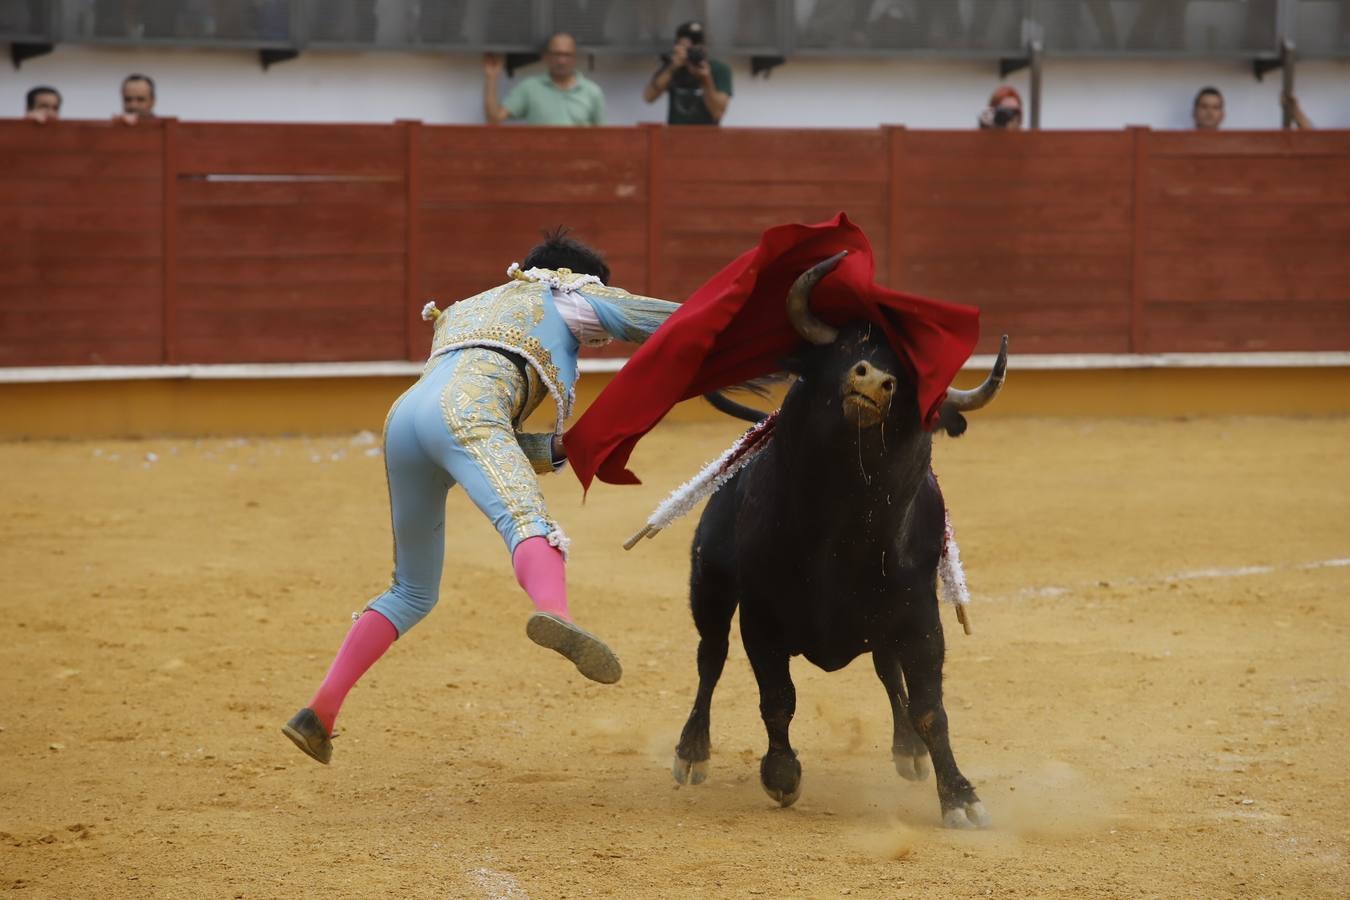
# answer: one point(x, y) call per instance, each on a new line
point(951, 421)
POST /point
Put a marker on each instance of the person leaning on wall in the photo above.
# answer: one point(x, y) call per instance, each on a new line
point(1207, 109)
point(42, 104)
point(562, 96)
point(138, 99)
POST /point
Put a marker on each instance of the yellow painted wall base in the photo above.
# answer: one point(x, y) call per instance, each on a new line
point(270, 406)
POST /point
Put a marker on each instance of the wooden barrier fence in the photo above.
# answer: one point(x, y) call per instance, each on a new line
point(179, 242)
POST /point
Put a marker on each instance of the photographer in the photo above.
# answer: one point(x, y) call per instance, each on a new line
point(699, 86)
point(1004, 110)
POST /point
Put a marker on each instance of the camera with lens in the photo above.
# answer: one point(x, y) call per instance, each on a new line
point(1006, 115)
point(695, 56)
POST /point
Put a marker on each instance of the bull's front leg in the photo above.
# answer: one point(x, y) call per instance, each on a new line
point(921, 653)
point(713, 601)
point(907, 748)
point(779, 771)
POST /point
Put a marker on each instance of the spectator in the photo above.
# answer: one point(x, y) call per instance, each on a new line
point(562, 97)
point(1207, 110)
point(699, 86)
point(43, 104)
point(138, 99)
point(1004, 110)
point(1299, 119)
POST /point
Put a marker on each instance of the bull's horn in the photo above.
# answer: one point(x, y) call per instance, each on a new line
point(799, 302)
point(965, 401)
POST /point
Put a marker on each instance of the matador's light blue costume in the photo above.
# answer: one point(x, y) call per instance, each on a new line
point(494, 358)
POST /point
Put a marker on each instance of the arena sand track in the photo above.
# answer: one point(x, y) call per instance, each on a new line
point(1142, 711)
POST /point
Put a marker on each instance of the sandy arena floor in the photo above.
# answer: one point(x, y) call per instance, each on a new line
point(1154, 702)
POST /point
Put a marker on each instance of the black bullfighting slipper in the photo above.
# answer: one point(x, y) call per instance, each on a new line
point(587, 652)
point(305, 730)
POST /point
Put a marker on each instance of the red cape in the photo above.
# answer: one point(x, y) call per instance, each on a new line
point(735, 327)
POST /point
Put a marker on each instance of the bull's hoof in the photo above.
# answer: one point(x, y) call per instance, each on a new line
point(689, 771)
point(912, 768)
point(967, 816)
point(782, 799)
point(781, 776)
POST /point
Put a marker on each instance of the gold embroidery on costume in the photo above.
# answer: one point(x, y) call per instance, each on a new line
point(499, 335)
point(608, 293)
point(516, 308)
point(504, 317)
point(534, 393)
point(480, 416)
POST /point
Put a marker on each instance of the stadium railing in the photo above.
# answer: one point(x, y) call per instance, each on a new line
point(977, 28)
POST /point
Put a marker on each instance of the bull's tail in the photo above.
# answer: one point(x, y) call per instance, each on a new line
point(722, 403)
point(760, 387)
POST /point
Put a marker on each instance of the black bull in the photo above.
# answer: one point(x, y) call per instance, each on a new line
point(830, 542)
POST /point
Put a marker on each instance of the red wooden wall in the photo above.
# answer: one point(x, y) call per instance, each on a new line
point(81, 245)
point(290, 243)
point(1036, 233)
point(1245, 243)
point(200, 242)
point(716, 191)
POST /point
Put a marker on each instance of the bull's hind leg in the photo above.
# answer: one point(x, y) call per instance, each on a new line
point(921, 660)
point(907, 748)
point(712, 598)
point(779, 771)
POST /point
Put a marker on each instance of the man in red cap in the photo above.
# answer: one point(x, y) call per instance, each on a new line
point(1004, 110)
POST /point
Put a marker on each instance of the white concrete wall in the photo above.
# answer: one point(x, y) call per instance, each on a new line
point(220, 85)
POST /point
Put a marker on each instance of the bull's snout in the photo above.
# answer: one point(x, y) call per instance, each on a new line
point(867, 394)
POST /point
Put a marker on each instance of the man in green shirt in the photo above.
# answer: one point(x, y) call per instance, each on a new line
point(562, 97)
point(699, 86)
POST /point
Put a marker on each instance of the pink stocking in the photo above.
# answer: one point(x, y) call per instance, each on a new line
point(542, 573)
point(366, 642)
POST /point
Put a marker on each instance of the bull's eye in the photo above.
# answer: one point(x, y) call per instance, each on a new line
point(861, 370)
point(888, 385)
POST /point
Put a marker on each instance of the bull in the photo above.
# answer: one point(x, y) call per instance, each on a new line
point(830, 541)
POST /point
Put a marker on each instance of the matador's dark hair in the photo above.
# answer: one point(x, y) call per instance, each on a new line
point(562, 251)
